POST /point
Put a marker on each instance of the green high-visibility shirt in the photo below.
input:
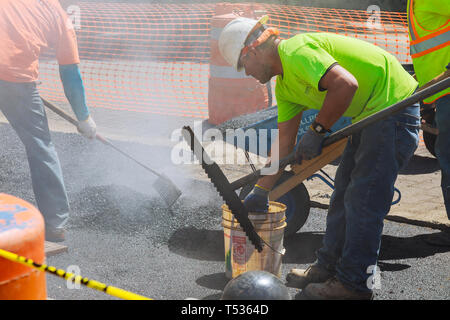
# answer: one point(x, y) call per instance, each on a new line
point(382, 81)
point(432, 14)
point(428, 18)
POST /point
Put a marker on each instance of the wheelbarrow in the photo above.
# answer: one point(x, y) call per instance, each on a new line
point(296, 199)
point(333, 146)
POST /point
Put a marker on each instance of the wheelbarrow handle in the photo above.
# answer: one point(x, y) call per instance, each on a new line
point(434, 86)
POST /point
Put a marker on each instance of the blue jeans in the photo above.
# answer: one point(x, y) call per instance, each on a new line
point(364, 188)
point(23, 107)
point(442, 146)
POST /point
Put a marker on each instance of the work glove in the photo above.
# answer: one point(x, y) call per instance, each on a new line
point(87, 128)
point(310, 146)
point(257, 200)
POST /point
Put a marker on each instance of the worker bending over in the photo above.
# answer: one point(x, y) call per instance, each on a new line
point(339, 76)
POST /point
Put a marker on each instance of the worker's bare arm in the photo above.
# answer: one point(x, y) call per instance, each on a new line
point(341, 86)
point(283, 145)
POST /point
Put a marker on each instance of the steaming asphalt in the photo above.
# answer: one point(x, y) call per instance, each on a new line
point(121, 234)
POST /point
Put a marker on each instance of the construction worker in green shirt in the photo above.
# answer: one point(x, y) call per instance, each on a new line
point(339, 76)
point(429, 32)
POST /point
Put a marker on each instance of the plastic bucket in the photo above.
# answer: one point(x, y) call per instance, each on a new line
point(240, 254)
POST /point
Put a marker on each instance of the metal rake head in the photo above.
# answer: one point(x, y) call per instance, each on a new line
point(167, 190)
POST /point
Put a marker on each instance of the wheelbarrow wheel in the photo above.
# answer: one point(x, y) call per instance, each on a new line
point(298, 205)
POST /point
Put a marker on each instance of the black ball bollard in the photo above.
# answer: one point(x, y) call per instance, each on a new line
point(255, 285)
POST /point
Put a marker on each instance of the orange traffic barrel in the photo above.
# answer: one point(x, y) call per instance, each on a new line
point(22, 232)
point(230, 93)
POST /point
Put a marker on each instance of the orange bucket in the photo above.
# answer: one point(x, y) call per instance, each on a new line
point(22, 231)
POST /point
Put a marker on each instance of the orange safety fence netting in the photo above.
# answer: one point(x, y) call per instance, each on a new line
point(154, 58)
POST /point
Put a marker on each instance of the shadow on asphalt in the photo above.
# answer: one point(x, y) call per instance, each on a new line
point(215, 296)
point(396, 248)
point(200, 244)
point(216, 281)
point(301, 247)
point(421, 165)
point(208, 245)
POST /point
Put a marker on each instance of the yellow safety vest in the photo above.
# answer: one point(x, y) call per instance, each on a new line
point(429, 49)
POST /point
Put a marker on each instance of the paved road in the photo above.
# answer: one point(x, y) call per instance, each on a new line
point(121, 233)
point(191, 263)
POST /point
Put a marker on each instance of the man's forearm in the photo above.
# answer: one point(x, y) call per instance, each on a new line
point(334, 106)
point(281, 148)
point(74, 90)
point(267, 182)
point(341, 86)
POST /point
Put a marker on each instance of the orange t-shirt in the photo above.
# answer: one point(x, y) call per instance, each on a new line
point(26, 28)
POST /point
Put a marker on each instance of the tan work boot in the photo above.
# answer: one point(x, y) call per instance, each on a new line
point(333, 289)
point(300, 278)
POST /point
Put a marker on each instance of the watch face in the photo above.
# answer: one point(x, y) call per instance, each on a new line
point(319, 128)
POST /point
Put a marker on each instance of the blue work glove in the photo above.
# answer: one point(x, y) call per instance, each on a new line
point(74, 89)
point(257, 200)
point(310, 146)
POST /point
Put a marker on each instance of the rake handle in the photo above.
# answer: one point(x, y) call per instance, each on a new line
point(60, 112)
point(109, 143)
point(102, 139)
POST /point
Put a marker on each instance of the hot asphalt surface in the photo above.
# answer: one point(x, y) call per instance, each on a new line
point(121, 234)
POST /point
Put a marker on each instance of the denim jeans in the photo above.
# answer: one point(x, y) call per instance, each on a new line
point(23, 107)
point(442, 146)
point(364, 189)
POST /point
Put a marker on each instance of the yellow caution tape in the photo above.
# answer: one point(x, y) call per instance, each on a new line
point(113, 291)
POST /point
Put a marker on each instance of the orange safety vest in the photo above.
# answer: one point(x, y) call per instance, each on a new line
point(429, 50)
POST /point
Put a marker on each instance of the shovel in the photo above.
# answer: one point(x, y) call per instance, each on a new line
point(163, 185)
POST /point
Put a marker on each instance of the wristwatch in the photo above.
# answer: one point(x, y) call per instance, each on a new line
point(318, 128)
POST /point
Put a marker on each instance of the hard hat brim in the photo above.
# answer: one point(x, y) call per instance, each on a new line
point(233, 37)
point(262, 21)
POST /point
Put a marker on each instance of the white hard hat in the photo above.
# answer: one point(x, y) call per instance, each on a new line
point(234, 35)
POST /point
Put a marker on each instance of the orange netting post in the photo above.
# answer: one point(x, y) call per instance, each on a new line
point(21, 232)
point(231, 93)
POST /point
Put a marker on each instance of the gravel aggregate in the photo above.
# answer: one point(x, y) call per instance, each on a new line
point(245, 120)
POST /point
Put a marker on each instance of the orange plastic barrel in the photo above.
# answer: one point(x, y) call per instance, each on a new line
point(231, 93)
point(22, 232)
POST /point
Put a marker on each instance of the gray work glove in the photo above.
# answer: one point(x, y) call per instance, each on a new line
point(87, 128)
point(257, 200)
point(310, 146)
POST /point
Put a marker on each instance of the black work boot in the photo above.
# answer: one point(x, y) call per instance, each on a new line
point(300, 278)
point(333, 289)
